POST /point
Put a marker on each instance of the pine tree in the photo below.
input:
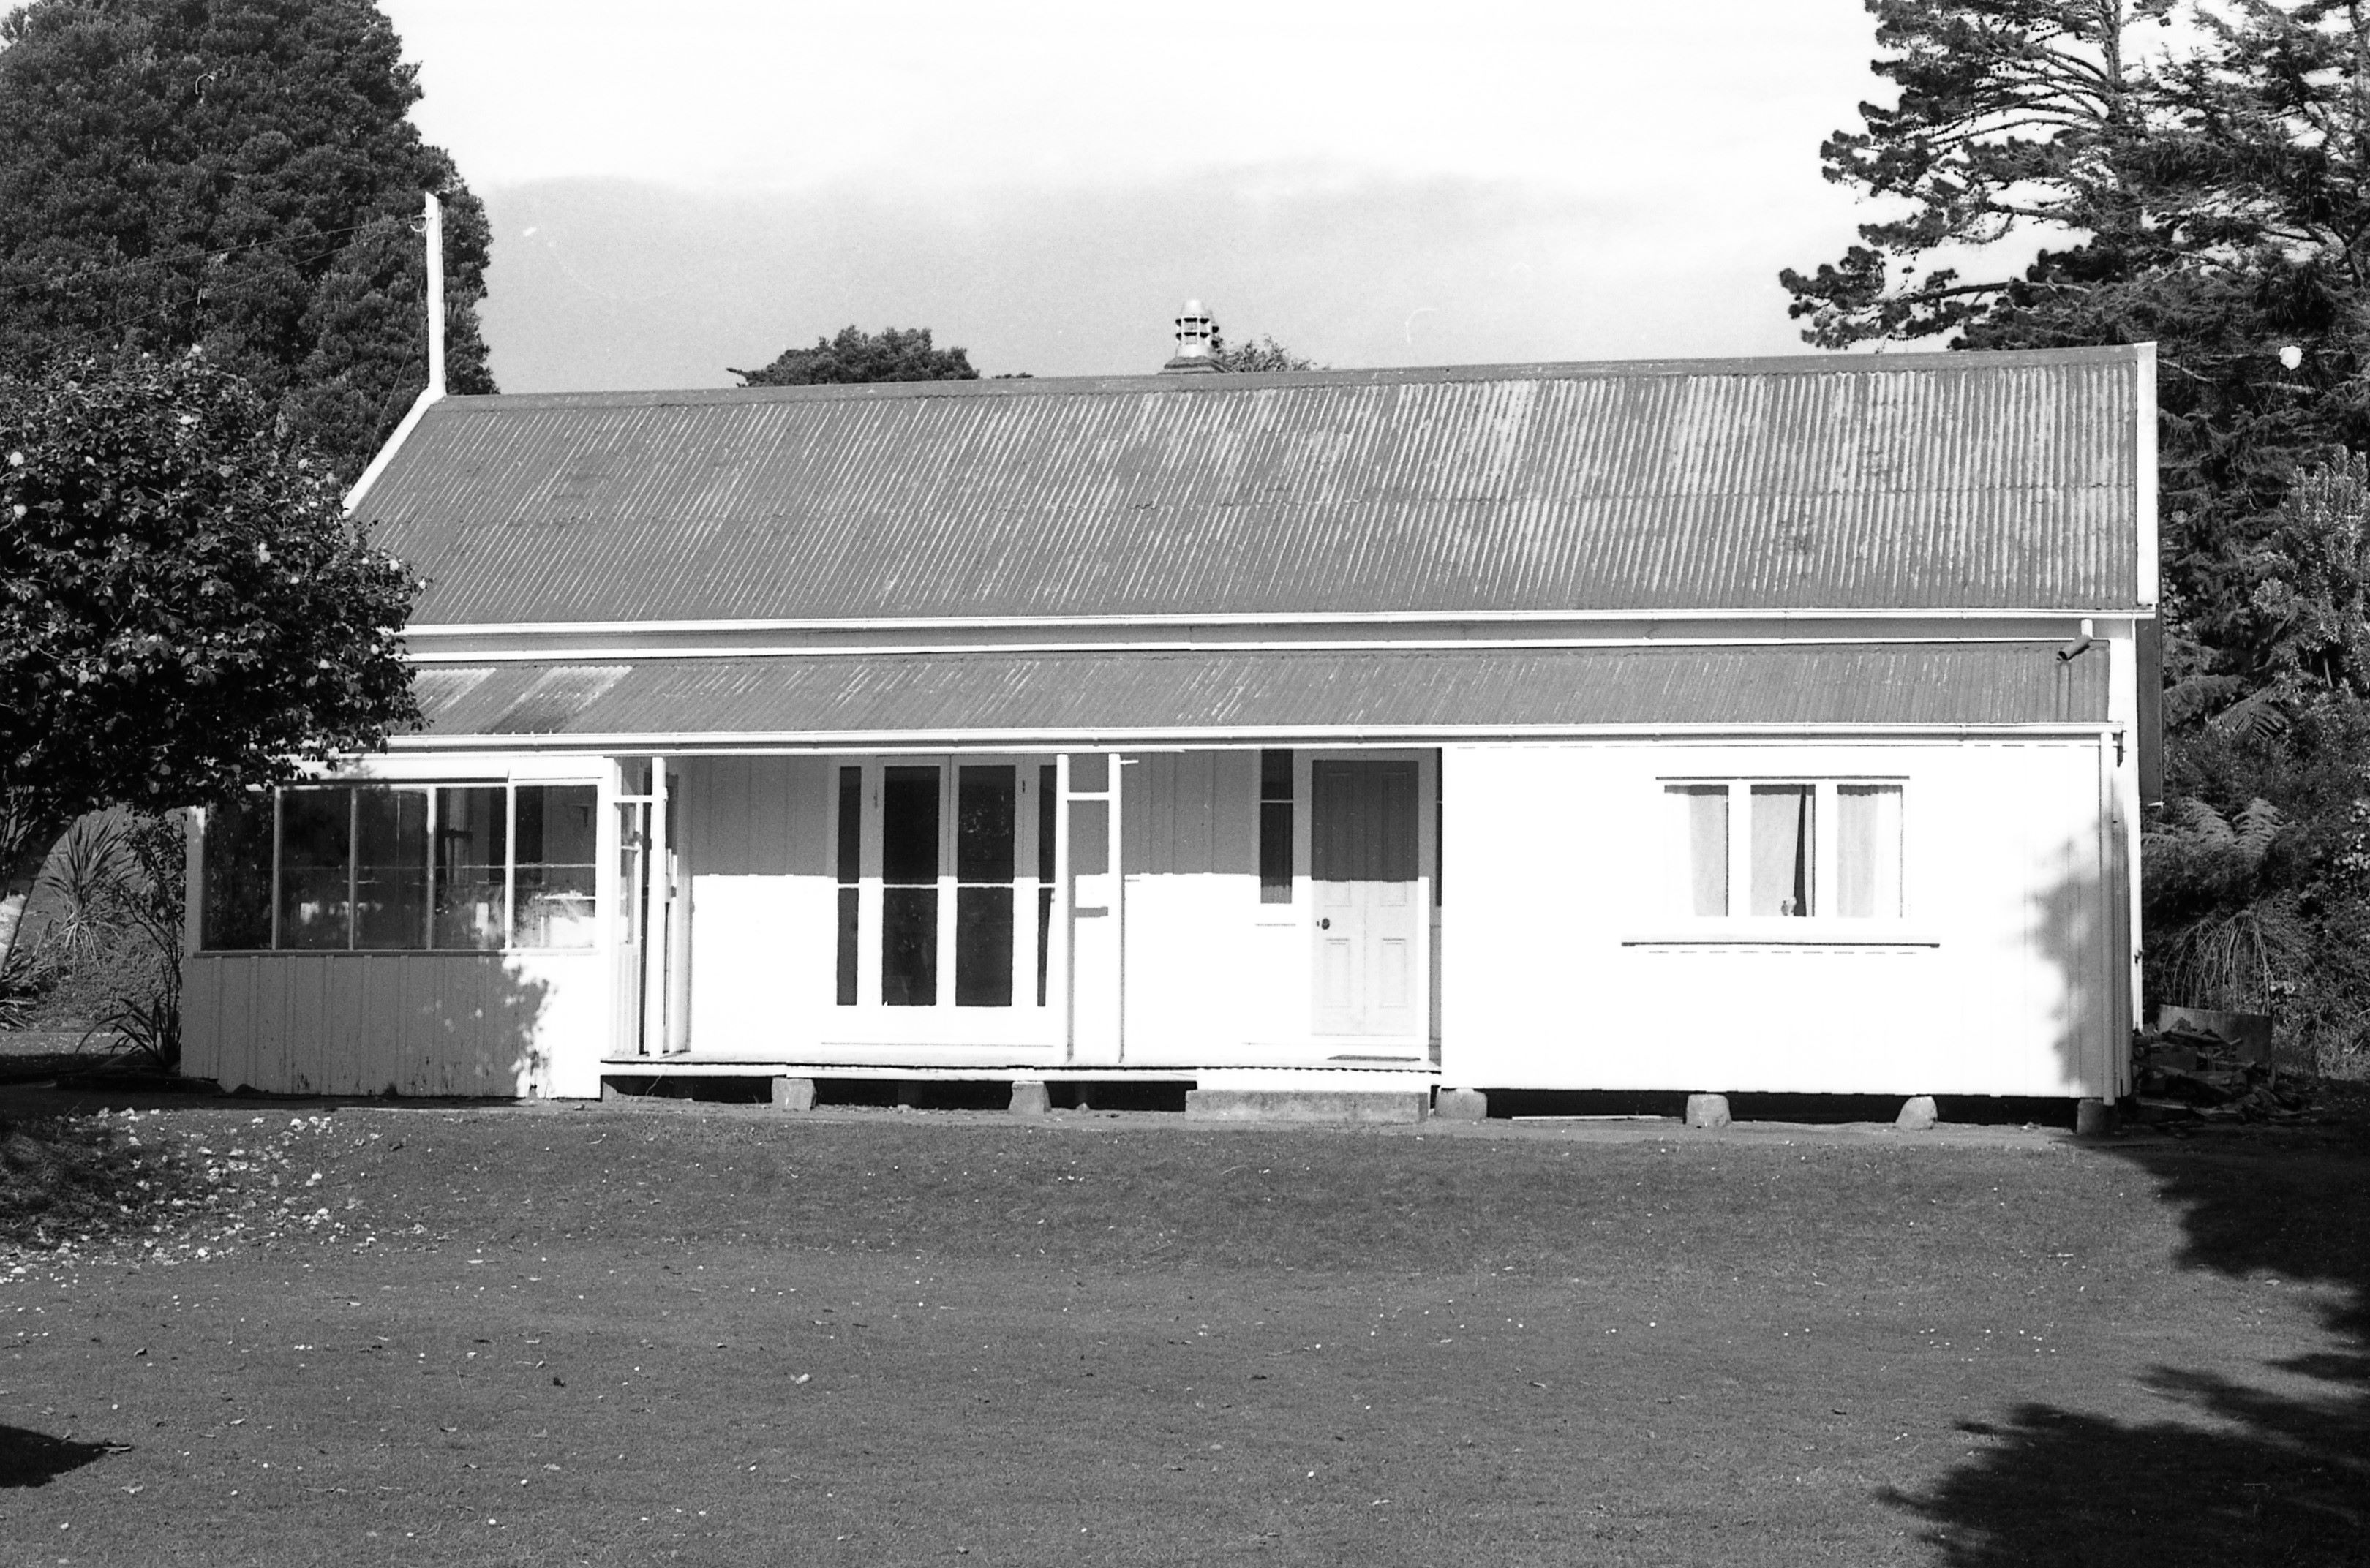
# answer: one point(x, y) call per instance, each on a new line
point(237, 175)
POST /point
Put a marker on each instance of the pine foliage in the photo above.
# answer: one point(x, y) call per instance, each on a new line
point(238, 176)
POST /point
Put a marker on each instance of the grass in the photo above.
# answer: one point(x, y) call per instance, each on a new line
point(716, 1335)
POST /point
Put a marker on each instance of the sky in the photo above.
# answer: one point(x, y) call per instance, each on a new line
point(679, 189)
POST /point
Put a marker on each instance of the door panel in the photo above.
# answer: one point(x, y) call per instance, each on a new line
point(1363, 854)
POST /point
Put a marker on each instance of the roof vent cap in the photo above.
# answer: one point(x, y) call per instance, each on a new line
point(1197, 334)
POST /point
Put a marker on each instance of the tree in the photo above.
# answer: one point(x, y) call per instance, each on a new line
point(1259, 354)
point(185, 611)
point(236, 174)
point(2209, 190)
point(893, 354)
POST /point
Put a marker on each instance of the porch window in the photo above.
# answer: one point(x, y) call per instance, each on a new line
point(401, 868)
point(1275, 827)
point(1787, 850)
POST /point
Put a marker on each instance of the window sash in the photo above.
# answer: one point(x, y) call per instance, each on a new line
point(1782, 850)
point(376, 867)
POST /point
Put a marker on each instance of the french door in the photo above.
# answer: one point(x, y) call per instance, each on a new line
point(945, 886)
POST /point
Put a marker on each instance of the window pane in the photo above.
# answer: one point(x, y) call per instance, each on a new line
point(1089, 838)
point(1275, 774)
point(909, 826)
point(472, 850)
point(390, 868)
point(984, 947)
point(1090, 773)
point(558, 855)
point(1703, 839)
point(1868, 851)
point(1781, 850)
point(1048, 781)
point(847, 909)
point(236, 861)
point(315, 841)
point(1275, 852)
point(851, 826)
point(1044, 939)
point(909, 947)
point(985, 802)
point(851, 871)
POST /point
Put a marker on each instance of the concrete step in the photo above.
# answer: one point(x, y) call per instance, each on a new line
point(1308, 1105)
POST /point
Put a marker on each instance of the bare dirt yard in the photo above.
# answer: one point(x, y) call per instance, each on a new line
point(719, 1336)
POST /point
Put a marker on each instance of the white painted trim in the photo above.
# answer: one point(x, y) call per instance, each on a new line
point(429, 397)
point(1296, 618)
point(903, 742)
point(470, 658)
point(2148, 586)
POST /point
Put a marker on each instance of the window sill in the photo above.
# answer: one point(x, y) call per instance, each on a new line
point(1787, 934)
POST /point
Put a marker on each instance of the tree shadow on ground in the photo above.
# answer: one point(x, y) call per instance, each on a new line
point(36, 1459)
point(2238, 1472)
point(2241, 1471)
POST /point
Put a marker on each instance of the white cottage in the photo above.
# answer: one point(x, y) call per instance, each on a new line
point(1742, 725)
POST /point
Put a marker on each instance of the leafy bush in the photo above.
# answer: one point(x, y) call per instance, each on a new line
point(2256, 878)
point(104, 938)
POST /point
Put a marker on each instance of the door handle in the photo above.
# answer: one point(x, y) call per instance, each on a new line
point(1325, 924)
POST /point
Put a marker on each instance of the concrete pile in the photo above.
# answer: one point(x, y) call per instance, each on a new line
point(2190, 1072)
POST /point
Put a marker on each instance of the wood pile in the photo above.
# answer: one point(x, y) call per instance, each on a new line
point(2190, 1074)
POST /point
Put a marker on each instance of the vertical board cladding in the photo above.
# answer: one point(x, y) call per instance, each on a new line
point(1195, 994)
point(1570, 959)
point(762, 896)
point(466, 1024)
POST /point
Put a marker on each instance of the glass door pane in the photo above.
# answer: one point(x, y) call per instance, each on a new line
point(558, 863)
point(909, 886)
point(316, 845)
point(390, 868)
point(986, 801)
point(472, 865)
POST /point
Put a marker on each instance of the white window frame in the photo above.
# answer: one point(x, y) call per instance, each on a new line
point(1677, 924)
point(431, 785)
point(870, 887)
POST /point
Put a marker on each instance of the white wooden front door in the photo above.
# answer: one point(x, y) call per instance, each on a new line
point(1370, 917)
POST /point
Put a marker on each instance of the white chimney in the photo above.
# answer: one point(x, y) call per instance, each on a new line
point(1196, 332)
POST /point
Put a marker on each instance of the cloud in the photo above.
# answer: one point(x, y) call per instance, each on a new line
point(610, 283)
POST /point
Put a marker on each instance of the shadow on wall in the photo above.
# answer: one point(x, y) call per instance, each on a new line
point(2067, 940)
point(2240, 1471)
point(405, 1024)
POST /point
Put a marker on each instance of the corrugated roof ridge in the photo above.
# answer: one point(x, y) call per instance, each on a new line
point(1050, 387)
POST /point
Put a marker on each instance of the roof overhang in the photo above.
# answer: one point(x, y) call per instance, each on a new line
point(1102, 697)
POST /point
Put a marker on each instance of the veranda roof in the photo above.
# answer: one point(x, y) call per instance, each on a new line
point(982, 698)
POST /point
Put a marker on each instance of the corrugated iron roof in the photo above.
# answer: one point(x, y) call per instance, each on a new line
point(1995, 481)
point(985, 693)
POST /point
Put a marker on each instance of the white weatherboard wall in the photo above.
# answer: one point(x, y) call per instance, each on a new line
point(1566, 962)
point(1210, 969)
point(753, 841)
point(485, 1023)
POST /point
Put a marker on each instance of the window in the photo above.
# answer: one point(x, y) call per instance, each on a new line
point(402, 868)
point(1275, 827)
point(1783, 850)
